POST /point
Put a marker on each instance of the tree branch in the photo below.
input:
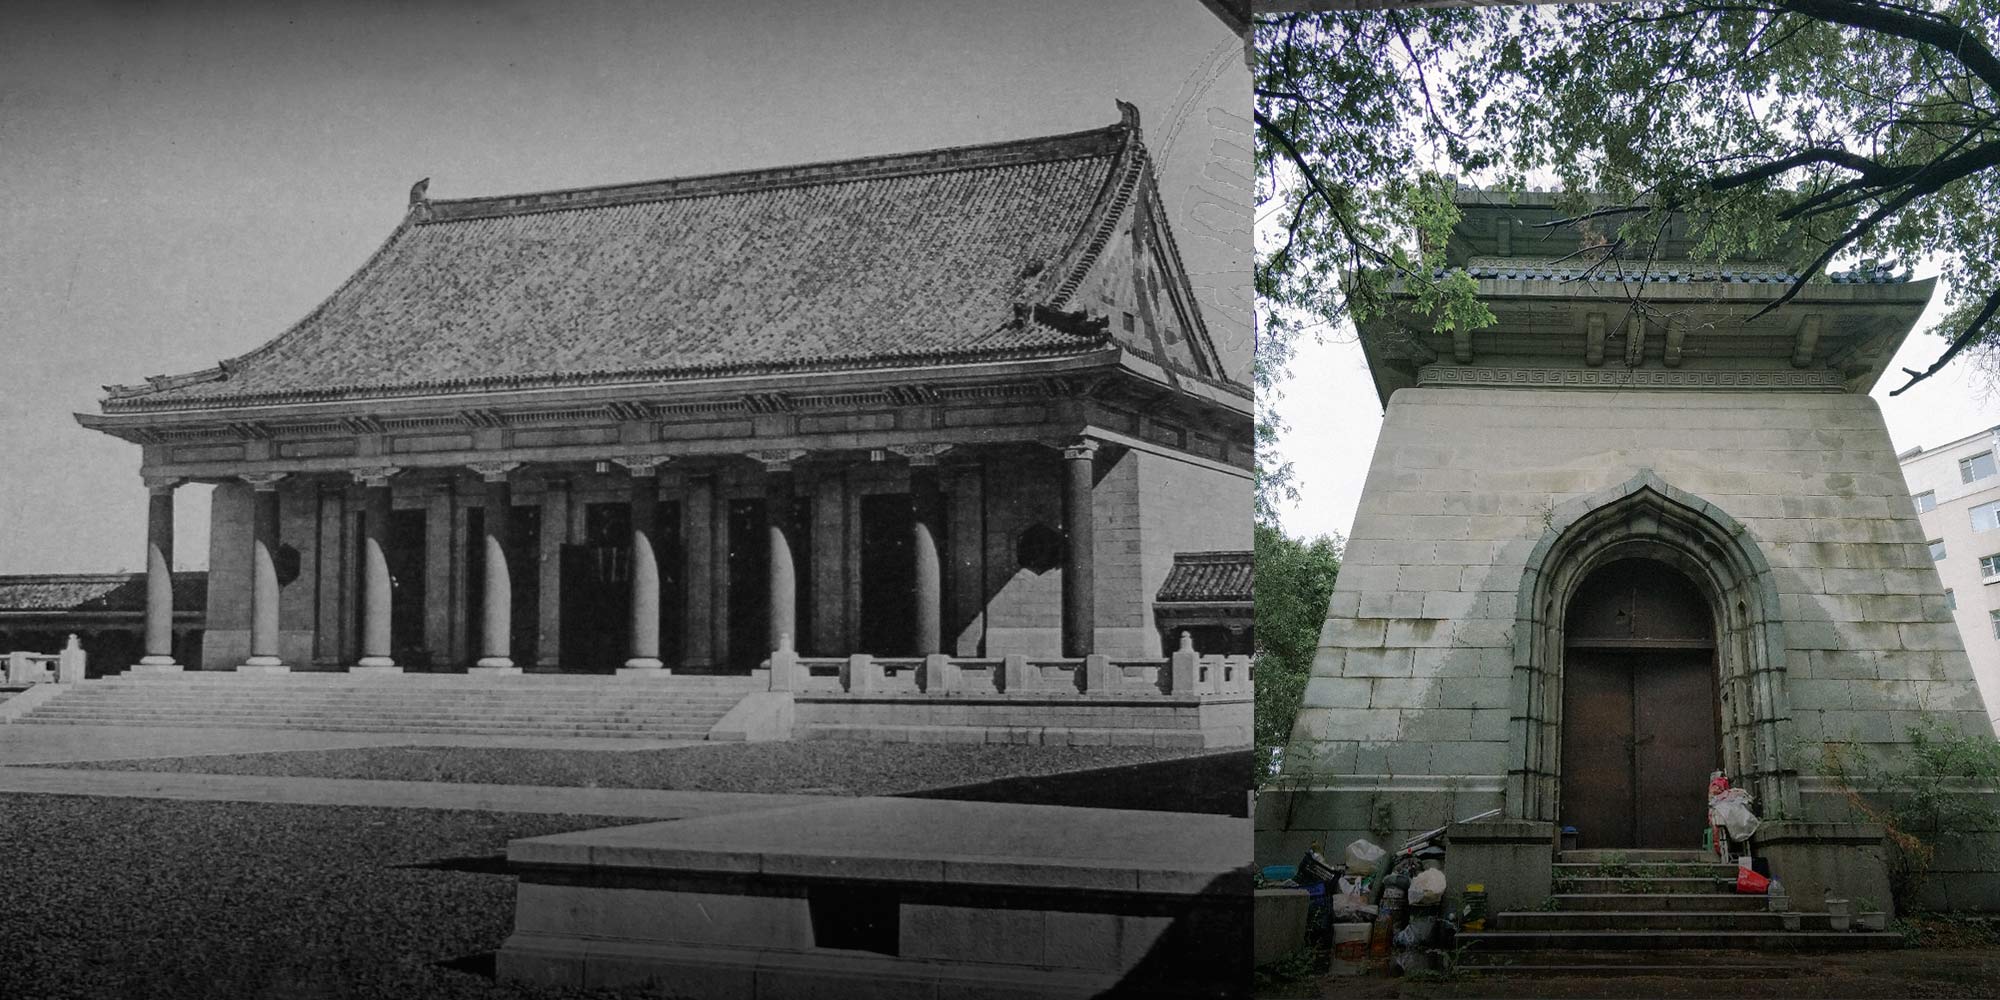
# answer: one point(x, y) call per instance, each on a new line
point(1958, 343)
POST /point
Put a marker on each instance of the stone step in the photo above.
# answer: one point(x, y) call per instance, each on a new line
point(1633, 885)
point(1643, 855)
point(1659, 869)
point(657, 733)
point(388, 718)
point(367, 721)
point(1661, 940)
point(1713, 964)
point(1060, 735)
point(1591, 902)
point(1571, 921)
point(229, 704)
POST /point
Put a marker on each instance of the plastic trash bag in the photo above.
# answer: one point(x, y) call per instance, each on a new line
point(1363, 858)
point(1350, 904)
point(1427, 887)
point(1730, 809)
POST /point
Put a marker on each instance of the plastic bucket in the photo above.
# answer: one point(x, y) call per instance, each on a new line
point(1350, 950)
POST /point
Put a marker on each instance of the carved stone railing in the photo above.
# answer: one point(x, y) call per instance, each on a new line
point(1183, 673)
point(65, 667)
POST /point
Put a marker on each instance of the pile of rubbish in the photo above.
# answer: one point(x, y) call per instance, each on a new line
point(1380, 912)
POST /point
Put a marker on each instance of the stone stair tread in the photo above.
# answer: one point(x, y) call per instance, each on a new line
point(1567, 939)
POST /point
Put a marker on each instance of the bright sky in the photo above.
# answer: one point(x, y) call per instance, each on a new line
point(183, 181)
point(1331, 406)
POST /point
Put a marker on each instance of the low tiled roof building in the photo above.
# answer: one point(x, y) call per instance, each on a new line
point(106, 611)
point(956, 401)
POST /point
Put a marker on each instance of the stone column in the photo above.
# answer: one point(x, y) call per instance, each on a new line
point(784, 579)
point(1079, 621)
point(926, 521)
point(159, 651)
point(377, 633)
point(264, 653)
point(644, 646)
point(497, 613)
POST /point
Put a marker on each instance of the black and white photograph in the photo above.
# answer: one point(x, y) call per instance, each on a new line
point(736, 500)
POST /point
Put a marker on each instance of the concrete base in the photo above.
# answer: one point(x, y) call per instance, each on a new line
point(367, 669)
point(1280, 920)
point(263, 668)
point(1811, 858)
point(482, 670)
point(762, 716)
point(656, 670)
point(142, 668)
point(890, 898)
point(1514, 858)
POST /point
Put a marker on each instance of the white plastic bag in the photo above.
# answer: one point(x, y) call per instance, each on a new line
point(1730, 809)
point(1427, 887)
point(1363, 857)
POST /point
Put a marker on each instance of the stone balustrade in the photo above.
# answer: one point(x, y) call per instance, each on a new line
point(1185, 672)
point(65, 667)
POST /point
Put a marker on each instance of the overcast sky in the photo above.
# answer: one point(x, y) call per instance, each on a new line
point(182, 184)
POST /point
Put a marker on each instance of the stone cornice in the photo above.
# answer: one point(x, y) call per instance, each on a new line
point(1553, 377)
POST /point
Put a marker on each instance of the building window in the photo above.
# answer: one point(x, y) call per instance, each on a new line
point(1950, 600)
point(1976, 468)
point(1986, 516)
point(1937, 550)
point(1995, 615)
point(1927, 500)
point(1989, 565)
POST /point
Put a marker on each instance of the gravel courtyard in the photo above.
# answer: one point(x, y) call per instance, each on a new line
point(117, 897)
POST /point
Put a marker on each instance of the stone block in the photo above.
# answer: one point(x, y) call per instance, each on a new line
point(1402, 692)
point(1469, 757)
point(1279, 923)
point(1392, 604)
point(1450, 604)
point(1475, 692)
point(1812, 858)
point(1853, 581)
point(1513, 858)
point(1926, 636)
point(1378, 663)
point(1417, 632)
point(1350, 633)
point(1358, 724)
point(1438, 725)
point(1428, 578)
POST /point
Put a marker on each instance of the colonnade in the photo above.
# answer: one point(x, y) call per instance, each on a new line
point(495, 626)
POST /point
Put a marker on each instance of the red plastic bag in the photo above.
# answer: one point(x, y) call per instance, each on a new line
point(1748, 881)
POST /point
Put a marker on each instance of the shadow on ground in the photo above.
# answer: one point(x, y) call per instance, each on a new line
point(1215, 783)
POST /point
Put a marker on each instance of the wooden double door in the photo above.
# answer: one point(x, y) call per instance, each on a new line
point(1639, 743)
point(1641, 723)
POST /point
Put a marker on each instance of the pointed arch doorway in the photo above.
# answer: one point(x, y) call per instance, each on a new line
point(1642, 715)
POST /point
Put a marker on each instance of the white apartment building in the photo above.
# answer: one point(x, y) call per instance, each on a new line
point(1956, 488)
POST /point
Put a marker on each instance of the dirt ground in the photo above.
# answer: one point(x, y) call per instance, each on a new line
point(1863, 975)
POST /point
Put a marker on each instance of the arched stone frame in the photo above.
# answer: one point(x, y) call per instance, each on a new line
point(1647, 518)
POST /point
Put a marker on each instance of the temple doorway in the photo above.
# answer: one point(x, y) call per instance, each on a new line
point(1641, 722)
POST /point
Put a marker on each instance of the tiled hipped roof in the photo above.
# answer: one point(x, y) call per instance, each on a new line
point(1208, 578)
point(95, 592)
point(919, 258)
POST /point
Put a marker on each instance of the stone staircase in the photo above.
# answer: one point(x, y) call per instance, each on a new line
point(653, 708)
point(1643, 911)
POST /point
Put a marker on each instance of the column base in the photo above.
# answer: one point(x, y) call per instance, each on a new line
point(493, 667)
point(263, 665)
point(644, 668)
point(367, 668)
point(155, 665)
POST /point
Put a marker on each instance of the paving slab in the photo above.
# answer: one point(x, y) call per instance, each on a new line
point(632, 802)
point(25, 744)
point(930, 842)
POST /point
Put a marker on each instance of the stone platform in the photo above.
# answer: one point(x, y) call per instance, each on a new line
point(891, 898)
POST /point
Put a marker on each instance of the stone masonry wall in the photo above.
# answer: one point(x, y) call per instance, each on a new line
point(1411, 693)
